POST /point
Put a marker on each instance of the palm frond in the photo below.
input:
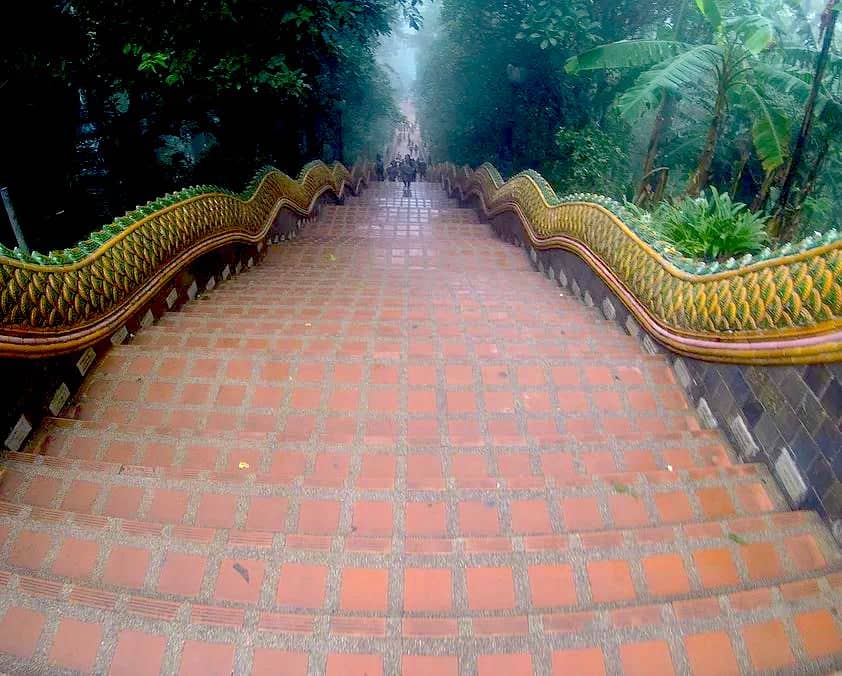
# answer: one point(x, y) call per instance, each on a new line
point(756, 31)
point(625, 54)
point(680, 74)
point(769, 130)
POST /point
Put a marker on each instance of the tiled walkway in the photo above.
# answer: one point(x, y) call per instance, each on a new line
point(394, 448)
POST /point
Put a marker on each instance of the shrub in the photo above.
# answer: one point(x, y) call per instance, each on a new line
point(710, 228)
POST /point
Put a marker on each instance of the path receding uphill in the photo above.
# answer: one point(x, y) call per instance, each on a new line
point(394, 448)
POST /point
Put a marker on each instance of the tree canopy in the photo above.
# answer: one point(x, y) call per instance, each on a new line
point(109, 102)
point(646, 100)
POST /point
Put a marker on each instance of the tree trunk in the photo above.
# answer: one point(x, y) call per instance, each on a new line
point(702, 174)
point(663, 118)
point(828, 26)
point(810, 183)
point(792, 223)
point(763, 194)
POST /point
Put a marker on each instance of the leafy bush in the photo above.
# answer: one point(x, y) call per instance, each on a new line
point(710, 228)
point(592, 159)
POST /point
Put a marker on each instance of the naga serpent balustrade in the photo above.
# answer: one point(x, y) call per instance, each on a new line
point(778, 307)
point(67, 300)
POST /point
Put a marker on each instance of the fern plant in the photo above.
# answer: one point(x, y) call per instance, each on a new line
point(710, 228)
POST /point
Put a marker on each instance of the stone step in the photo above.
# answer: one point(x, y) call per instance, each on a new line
point(470, 503)
point(529, 503)
point(790, 627)
point(476, 574)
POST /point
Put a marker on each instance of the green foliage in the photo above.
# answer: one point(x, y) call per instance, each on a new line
point(593, 159)
point(271, 82)
point(710, 228)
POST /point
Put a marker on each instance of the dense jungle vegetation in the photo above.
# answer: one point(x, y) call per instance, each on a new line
point(109, 103)
point(718, 122)
point(721, 119)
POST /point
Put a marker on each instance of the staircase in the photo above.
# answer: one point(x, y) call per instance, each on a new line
point(392, 448)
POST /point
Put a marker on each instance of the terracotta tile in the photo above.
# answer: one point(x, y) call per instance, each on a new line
point(30, 549)
point(298, 428)
point(421, 401)
point(75, 645)
point(461, 402)
point(496, 375)
point(267, 513)
point(423, 432)
point(420, 375)
point(578, 661)
point(348, 374)
point(123, 502)
point(458, 375)
point(80, 496)
point(610, 581)
point(344, 400)
point(767, 645)
point(384, 400)
point(168, 506)
point(231, 395)
point(464, 432)
point(427, 590)
point(819, 633)
point(382, 374)
point(318, 517)
point(429, 665)
point(372, 517)
point(160, 393)
point(530, 516)
point(339, 430)
point(199, 658)
point(499, 402)
point(628, 511)
point(347, 664)
point(138, 653)
point(20, 630)
point(216, 510)
point(201, 457)
point(310, 372)
point(364, 589)
point(469, 466)
point(426, 518)
point(666, 575)
point(306, 398)
point(41, 491)
point(504, 664)
point(239, 580)
point(478, 518)
point(804, 552)
point(761, 560)
point(711, 653)
point(76, 558)
point(490, 588)
point(673, 507)
point(649, 658)
point(302, 585)
point(126, 566)
point(716, 503)
point(181, 574)
point(716, 568)
point(268, 661)
point(265, 396)
point(581, 513)
point(552, 585)
point(195, 394)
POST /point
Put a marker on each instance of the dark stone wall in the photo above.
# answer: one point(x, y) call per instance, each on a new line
point(788, 417)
